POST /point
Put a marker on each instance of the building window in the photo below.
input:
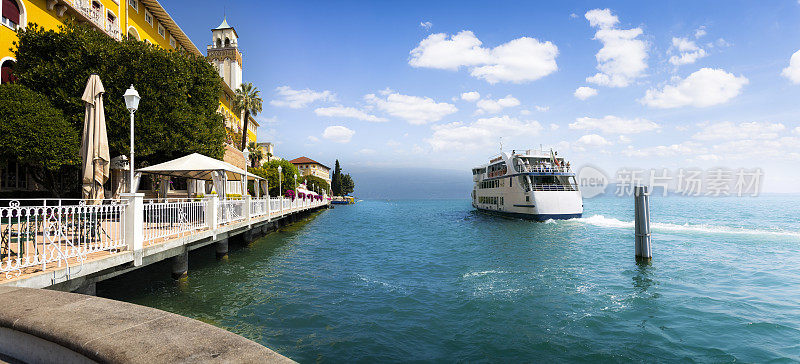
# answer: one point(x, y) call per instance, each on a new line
point(112, 19)
point(11, 14)
point(161, 31)
point(134, 4)
point(227, 42)
point(148, 18)
point(172, 41)
point(219, 43)
point(13, 176)
point(7, 71)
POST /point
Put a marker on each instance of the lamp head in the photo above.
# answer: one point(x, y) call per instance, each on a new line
point(279, 169)
point(132, 99)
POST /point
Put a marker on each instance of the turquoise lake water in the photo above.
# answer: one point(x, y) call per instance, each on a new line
point(433, 280)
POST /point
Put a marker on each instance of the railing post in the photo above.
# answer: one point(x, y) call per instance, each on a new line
point(212, 213)
point(248, 208)
point(134, 225)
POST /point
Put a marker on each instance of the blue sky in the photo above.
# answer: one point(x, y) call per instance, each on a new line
point(664, 84)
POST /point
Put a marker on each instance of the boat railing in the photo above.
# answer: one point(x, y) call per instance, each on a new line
point(544, 169)
point(552, 187)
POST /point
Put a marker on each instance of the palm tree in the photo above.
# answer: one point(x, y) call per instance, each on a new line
point(247, 100)
point(255, 154)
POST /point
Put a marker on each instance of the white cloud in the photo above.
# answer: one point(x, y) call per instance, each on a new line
point(703, 88)
point(393, 143)
point(524, 112)
point(623, 57)
point(414, 109)
point(426, 25)
point(484, 132)
point(688, 51)
point(519, 60)
point(611, 124)
point(297, 99)
point(471, 96)
point(624, 139)
point(685, 148)
point(367, 151)
point(797, 130)
point(592, 140)
point(338, 134)
point(495, 106)
point(313, 139)
point(700, 32)
point(792, 72)
point(584, 92)
point(553, 126)
point(746, 130)
point(542, 108)
point(263, 120)
point(347, 112)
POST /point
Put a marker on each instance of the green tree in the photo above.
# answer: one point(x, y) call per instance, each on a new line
point(247, 100)
point(269, 171)
point(180, 91)
point(336, 180)
point(36, 134)
point(256, 155)
point(315, 183)
point(347, 184)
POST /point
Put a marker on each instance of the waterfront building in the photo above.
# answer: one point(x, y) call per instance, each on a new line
point(143, 20)
point(268, 151)
point(310, 167)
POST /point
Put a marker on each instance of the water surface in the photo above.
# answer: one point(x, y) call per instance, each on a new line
point(433, 280)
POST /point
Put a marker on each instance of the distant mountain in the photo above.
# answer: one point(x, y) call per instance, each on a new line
point(410, 183)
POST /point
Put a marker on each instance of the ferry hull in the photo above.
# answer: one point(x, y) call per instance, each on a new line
point(534, 217)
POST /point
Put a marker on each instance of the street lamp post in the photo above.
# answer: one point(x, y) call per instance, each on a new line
point(132, 103)
point(280, 187)
point(246, 154)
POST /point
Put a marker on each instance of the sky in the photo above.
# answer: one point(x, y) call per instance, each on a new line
point(438, 85)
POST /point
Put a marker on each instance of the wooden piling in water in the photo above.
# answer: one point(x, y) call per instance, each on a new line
point(643, 249)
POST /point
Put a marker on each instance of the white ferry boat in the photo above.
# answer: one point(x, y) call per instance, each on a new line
point(531, 184)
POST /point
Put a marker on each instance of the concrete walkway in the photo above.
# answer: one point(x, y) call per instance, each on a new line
point(39, 325)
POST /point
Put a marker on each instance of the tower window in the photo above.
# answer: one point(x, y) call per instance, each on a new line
point(7, 72)
point(11, 14)
point(227, 42)
point(219, 43)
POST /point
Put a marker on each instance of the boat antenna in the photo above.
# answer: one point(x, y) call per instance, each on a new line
point(501, 144)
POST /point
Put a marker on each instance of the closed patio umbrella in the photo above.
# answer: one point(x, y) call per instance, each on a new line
point(94, 146)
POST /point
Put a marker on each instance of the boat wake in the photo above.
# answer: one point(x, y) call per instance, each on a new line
point(610, 222)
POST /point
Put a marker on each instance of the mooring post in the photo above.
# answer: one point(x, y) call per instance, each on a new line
point(180, 265)
point(222, 248)
point(642, 223)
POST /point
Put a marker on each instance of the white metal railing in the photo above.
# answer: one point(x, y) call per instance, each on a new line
point(230, 211)
point(544, 169)
point(259, 207)
point(173, 217)
point(274, 204)
point(35, 233)
point(96, 16)
point(553, 187)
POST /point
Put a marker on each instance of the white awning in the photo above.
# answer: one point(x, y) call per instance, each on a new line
point(198, 166)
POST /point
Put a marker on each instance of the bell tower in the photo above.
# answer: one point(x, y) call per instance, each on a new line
point(224, 54)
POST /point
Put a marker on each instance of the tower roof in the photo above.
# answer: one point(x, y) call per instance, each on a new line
point(225, 25)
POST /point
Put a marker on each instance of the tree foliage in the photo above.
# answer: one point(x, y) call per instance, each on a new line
point(256, 155)
point(347, 184)
point(336, 180)
point(180, 92)
point(315, 183)
point(341, 184)
point(269, 171)
point(249, 101)
point(36, 134)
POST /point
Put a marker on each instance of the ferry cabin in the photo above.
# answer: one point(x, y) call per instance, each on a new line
point(533, 184)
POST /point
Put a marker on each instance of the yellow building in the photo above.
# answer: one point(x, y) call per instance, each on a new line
point(308, 166)
point(144, 20)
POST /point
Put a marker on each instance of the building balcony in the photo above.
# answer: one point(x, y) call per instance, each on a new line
point(86, 12)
